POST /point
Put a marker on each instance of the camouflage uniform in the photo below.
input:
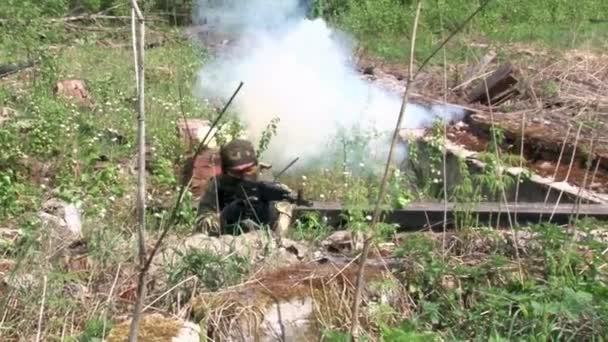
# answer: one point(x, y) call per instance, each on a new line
point(223, 208)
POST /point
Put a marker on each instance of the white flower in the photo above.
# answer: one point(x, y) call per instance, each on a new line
point(304, 178)
point(322, 196)
point(368, 217)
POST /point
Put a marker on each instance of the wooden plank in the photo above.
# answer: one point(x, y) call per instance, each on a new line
point(418, 216)
point(499, 86)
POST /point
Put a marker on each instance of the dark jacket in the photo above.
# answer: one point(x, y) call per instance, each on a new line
point(225, 196)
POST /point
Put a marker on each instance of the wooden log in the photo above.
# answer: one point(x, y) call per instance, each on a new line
point(9, 69)
point(500, 87)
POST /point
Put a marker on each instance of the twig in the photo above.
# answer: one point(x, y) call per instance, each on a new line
point(499, 175)
point(521, 162)
point(41, 314)
point(444, 150)
point(103, 334)
point(597, 166)
point(64, 327)
point(447, 40)
point(135, 7)
point(375, 217)
point(186, 186)
point(135, 55)
point(583, 186)
point(183, 111)
point(95, 17)
point(141, 178)
point(559, 161)
point(169, 291)
point(368, 240)
point(561, 192)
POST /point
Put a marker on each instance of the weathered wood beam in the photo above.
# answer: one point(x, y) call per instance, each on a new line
point(418, 216)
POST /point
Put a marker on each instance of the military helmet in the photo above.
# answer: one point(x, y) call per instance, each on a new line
point(238, 155)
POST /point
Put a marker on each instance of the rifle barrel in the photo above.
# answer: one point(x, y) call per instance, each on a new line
point(286, 168)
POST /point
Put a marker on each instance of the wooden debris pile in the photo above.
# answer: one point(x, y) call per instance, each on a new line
point(558, 108)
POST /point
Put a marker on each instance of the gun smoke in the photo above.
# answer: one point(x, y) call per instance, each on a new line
point(301, 71)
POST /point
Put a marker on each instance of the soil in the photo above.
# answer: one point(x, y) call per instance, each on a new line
point(578, 175)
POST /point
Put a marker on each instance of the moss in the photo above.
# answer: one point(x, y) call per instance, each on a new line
point(154, 328)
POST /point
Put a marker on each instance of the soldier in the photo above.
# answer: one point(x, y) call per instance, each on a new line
point(224, 208)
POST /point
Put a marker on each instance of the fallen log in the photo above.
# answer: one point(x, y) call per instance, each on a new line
point(544, 135)
point(10, 69)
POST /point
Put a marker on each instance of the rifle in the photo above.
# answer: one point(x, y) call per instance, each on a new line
point(271, 191)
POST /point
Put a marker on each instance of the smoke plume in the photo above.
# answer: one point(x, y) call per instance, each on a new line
point(301, 71)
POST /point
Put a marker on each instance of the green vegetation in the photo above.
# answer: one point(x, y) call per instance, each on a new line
point(384, 26)
point(476, 290)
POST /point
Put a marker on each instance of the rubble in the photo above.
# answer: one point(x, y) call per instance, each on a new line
point(193, 131)
point(200, 171)
point(257, 246)
point(206, 164)
point(6, 113)
point(62, 222)
point(6, 266)
point(9, 237)
point(74, 90)
point(339, 241)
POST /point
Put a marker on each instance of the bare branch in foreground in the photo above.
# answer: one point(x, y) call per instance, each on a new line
point(138, 43)
point(375, 218)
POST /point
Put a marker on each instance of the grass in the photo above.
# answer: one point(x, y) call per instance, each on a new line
point(472, 293)
point(382, 26)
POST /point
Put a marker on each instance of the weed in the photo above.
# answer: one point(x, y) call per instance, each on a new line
point(95, 328)
point(310, 227)
point(214, 271)
point(267, 135)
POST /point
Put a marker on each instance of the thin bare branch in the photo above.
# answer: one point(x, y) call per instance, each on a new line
point(141, 177)
point(135, 7)
point(561, 192)
point(411, 77)
point(369, 235)
point(521, 162)
point(186, 187)
point(444, 149)
point(41, 314)
point(169, 291)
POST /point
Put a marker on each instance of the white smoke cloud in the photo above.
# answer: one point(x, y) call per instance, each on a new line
point(300, 71)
